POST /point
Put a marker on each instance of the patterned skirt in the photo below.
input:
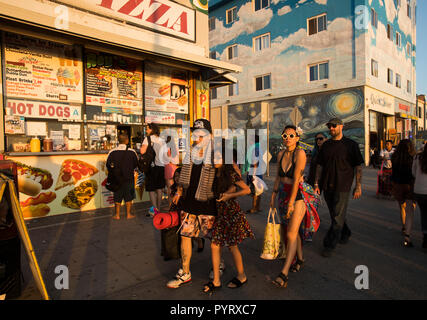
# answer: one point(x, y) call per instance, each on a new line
point(231, 226)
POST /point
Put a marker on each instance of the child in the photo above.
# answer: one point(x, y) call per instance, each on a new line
point(231, 226)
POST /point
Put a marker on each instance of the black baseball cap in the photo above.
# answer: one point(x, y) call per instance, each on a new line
point(336, 121)
point(202, 124)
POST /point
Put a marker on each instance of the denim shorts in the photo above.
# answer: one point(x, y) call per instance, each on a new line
point(126, 192)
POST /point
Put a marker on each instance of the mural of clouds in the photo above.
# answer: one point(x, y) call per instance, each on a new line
point(284, 10)
point(248, 22)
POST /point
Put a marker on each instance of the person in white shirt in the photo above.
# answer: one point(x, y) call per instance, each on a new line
point(155, 178)
point(419, 171)
point(386, 153)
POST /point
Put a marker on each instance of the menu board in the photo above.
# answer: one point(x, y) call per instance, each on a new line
point(41, 69)
point(166, 89)
point(114, 82)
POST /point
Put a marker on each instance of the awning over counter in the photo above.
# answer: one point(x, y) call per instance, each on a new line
point(76, 22)
point(218, 78)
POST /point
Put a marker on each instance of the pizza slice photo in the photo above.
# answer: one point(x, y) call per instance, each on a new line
point(72, 171)
point(80, 195)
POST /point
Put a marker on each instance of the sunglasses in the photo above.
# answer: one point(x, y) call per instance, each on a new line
point(284, 136)
point(331, 125)
point(319, 139)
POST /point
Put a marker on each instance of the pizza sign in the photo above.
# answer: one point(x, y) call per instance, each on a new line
point(45, 110)
point(159, 15)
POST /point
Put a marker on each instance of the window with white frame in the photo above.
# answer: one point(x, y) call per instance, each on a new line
point(408, 49)
point(398, 81)
point(374, 68)
point(316, 24)
point(408, 86)
point(232, 52)
point(389, 32)
point(214, 93)
point(261, 42)
point(390, 76)
point(211, 23)
point(233, 89)
point(261, 4)
point(263, 82)
point(374, 18)
point(319, 71)
point(398, 39)
point(231, 15)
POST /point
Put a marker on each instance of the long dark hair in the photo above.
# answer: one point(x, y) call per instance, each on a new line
point(403, 156)
point(224, 173)
point(423, 159)
point(155, 129)
point(316, 147)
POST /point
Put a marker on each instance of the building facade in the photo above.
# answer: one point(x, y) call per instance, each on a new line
point(305, 61)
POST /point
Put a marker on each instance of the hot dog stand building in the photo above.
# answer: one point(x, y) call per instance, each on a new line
point(76, 73)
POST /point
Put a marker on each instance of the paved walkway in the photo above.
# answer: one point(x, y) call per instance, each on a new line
point(110, 259)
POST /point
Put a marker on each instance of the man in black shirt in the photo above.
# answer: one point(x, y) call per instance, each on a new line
point(127, 161)
point(338, 161)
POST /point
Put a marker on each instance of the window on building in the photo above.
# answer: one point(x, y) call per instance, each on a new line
point(261, 4)
point(233, 89)
point(409, 9)
point(374, 68)
point(390, 76)
point(319, 71)
point(211, 23)
point(398, 81)
point(398, 39)
point(212, 54)
point(420, 112)
point(398, 3)
point(213, 93)
point(263, 82)
point(232, 52)
point(316, 24)
point(374, 18)
point(408, 49)
point(261, 42)
point(231, 15)
point(390, 32)
point(408, 86)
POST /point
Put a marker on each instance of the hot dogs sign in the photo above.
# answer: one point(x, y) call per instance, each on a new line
point(45, 110)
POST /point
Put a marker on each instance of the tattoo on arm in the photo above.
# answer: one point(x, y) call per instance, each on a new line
point(358, 175)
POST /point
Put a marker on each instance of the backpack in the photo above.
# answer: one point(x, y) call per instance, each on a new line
point(148, 157)
point(114, 177)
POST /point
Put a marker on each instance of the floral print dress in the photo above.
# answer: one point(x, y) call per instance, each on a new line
point(231, 226)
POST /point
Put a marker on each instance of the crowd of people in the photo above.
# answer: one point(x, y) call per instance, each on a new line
point(204, 191)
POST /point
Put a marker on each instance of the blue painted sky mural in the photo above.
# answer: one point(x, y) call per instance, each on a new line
point(292, 49)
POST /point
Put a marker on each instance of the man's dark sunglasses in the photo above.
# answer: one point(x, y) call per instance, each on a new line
point(331, 125)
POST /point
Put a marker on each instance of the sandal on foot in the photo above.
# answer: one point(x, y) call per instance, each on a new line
point(283, 282)
point(210, 287)
point(237, 283)
point(297, 266)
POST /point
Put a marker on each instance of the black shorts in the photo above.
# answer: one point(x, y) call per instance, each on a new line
point(155, 179)
point(126, 192)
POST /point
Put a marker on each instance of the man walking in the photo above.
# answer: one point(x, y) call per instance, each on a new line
point(339, 160)
point(123, 162)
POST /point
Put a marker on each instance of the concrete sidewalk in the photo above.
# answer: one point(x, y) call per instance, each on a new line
point(110, 259)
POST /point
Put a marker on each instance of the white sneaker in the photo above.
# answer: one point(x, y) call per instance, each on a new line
point(221, 270)
point(181, 278)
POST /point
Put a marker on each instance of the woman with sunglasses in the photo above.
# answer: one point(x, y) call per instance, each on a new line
point(292, 190)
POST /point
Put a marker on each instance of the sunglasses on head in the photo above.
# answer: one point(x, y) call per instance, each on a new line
point(285, 135)
point(331, 125)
